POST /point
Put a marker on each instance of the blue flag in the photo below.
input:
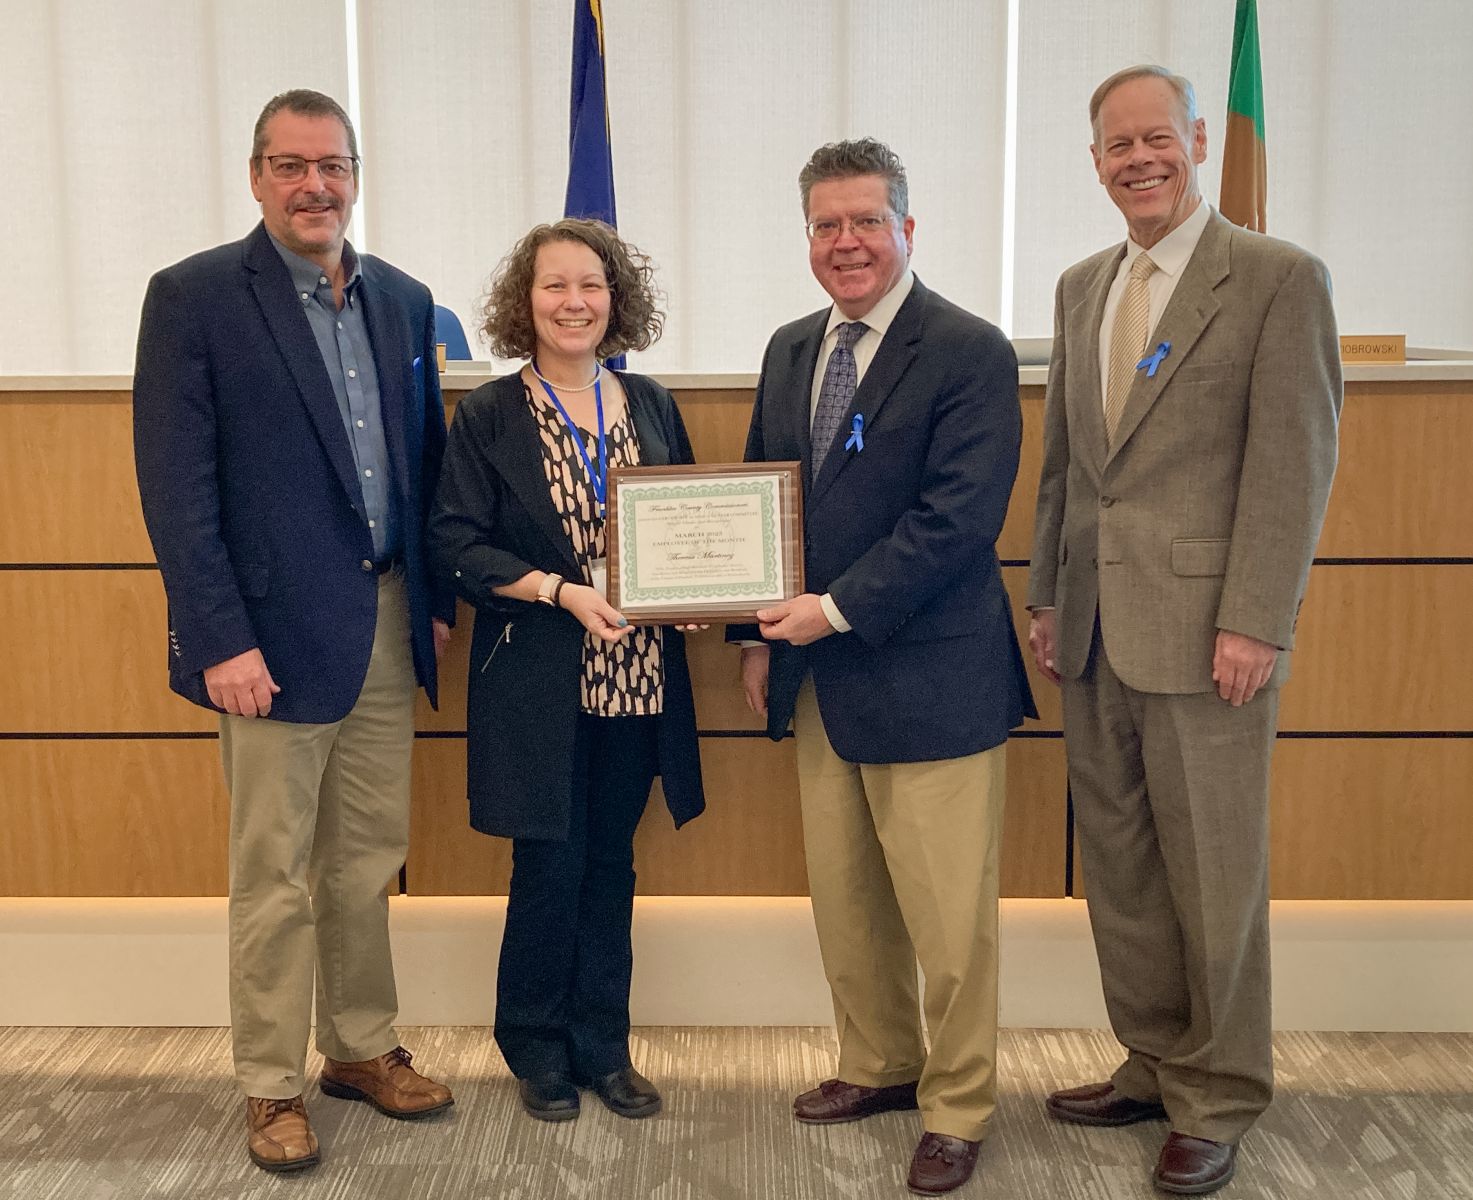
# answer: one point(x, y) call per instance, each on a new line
point(590, 157)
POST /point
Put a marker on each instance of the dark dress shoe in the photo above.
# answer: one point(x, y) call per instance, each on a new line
point(941, 1164)
point(1191, 1166)
point(834, 1101)
point(1101, 1104)
point(549, 1097)
point(627, 1093)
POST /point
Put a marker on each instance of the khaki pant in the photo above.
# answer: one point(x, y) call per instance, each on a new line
point(1171, 806)
point(902, 866)
point(319, 827)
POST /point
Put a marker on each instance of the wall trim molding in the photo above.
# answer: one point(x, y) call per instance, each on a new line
point(746, 960)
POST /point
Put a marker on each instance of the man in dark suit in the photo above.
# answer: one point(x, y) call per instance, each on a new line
point(1189, 444)
point(900, 668)
point(288, 431)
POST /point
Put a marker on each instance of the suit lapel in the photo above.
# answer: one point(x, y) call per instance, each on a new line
point(1191, 309)
point(282, 310)
point(517, 454)
point(387, 323)
point(1088, 314)
point(897, 351)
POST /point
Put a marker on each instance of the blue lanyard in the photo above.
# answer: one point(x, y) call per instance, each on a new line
point(597, 480)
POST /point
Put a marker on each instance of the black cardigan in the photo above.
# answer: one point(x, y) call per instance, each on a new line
point(494, 521)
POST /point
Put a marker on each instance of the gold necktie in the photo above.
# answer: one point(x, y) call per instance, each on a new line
point(1128, 341)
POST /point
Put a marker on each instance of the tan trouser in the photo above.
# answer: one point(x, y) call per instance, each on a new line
point(319, 827)
point(902, 865)
point(1171, 806)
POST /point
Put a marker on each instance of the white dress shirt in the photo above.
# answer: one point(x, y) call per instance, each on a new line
point(1170, 255)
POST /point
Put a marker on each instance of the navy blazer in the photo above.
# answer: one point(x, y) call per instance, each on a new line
point(247, 478)
point(494, 521)
point(902, 533)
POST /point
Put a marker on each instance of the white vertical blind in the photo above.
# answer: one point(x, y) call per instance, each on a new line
point(715, 108)
point(125, 139)
point(126, 131)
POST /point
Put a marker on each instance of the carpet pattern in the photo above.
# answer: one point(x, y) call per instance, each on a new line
point(123, 1114)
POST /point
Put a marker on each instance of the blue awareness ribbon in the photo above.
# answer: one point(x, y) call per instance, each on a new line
point(1152, 362)
point(597, 480)
point(856, 435)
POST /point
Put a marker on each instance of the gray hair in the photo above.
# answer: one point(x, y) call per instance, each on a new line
point(1186, 95)
point(847, 160)
point(303, 102)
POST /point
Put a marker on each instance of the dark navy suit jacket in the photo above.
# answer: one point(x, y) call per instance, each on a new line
point(902, 533)
point(247, 478)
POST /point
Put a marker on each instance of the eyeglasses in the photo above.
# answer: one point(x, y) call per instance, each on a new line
point(828, 229)
point(289, 168)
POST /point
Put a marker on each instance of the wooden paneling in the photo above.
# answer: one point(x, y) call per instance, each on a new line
point(1045, 693)
point(749, 841)
point(1403, 489)
point(1016, 541)
point(1371, 819)
point(1379, 650)
point(1034, 839)
point(1367, 819)
point(89, 650)
point(1382, 648)
point(67, 490)
point(446, 856)
point(112, 818)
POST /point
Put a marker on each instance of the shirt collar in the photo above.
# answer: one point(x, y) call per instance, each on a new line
point(879, 317)
point(307, 276)
point(1171, 253)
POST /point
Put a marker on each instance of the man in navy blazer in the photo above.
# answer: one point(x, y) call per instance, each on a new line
point(899, 668)
point(288, 430)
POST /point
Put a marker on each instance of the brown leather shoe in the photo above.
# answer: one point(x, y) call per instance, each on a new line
point(278, 1134)
point(834, 1101)
point(1101, 1104)
point(1191, 1166)
point(941, 1164)
point(387, 1082)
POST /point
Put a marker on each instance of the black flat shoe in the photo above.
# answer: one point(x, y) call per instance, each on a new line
point(627, 1093)
point(549, 1097)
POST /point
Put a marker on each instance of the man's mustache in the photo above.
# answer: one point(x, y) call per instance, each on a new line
point(323, 199)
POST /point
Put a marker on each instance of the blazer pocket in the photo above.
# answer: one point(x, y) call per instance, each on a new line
point(252, 580)
point(1199, 556)
point(1204, 372)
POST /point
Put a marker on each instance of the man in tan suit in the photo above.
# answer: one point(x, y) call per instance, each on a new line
point(1190, 439)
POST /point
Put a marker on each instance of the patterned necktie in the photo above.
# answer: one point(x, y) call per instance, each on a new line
point(1128, 341)
point(836, 394)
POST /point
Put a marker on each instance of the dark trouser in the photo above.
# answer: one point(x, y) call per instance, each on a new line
point(562, 988)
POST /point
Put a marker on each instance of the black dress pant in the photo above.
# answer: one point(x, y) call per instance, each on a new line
point(562, 989)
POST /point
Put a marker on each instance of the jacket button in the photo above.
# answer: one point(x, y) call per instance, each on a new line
point(1106, 501)
point(367, 564)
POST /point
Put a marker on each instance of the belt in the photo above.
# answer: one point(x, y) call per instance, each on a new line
point(383, 566)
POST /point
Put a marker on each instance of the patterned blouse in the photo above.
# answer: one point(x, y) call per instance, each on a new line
point(625, 678)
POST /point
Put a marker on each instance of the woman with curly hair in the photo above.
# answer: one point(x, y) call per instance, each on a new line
point(571, 710)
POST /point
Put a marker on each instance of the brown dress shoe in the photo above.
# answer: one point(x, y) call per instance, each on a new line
point(941, 1164)
point(387, 1082)
point(1101, 1104)
point(278, 1135)
point(1191, 1166)
point(834, 1101)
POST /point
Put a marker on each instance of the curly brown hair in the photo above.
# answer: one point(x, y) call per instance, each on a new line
point(635, 318)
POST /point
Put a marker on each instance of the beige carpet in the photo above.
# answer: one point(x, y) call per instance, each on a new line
point(118, 1114)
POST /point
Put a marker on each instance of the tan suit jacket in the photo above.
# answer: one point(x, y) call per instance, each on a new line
point(1205, 514)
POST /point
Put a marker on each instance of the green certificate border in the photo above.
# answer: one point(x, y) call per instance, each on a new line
point(768, 586)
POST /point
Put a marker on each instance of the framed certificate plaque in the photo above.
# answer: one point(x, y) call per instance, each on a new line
point(693, 544)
